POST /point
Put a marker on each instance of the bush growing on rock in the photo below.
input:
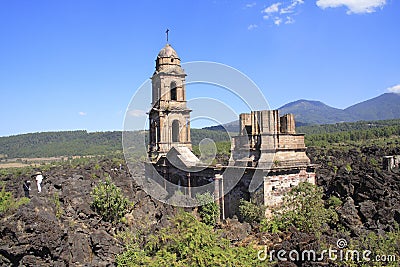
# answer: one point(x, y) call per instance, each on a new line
point(384, 247)
point(8, 203)
point(109, 202)
point(187, 242)
point(250, 212)
point(208, 210)
point(303, 208)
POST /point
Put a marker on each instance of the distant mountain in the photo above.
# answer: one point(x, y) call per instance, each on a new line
point(315, 112)
point(231, 127)
point(383, 107)
point(309, 112)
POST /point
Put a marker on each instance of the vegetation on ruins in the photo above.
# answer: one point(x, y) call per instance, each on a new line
point(250, 212)
point(314, 215)
point(109, 202)
point(208, 209)
point(186, 242)
point(304, 209)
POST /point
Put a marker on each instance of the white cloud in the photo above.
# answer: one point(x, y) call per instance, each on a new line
point(289, 20)
point(252, 27)
point(354, 6)
point(250, 5)
point(277, 21)
point(282, 12)
point(291, 8)
point(81, 113)
point(137, 113)
point(394, 89)
point(272, 8)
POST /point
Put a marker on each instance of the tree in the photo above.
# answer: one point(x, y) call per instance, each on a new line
point(8, 203)
point(187, 242)
point(303, 208)
point(250, 212)
point(109, 201)
point(208, 209)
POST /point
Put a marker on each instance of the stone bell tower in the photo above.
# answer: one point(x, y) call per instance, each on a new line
point(169, 118)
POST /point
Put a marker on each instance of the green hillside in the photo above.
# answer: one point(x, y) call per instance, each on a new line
point(82, 143)
point(363, 132)
point(346, 126)
point(53, 144)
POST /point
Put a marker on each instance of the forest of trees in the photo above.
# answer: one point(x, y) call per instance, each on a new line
point(53, 144)
point(346, 126)
point(357, 132)
point(83, 143)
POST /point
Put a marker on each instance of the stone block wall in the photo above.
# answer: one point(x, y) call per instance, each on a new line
point(291, 141)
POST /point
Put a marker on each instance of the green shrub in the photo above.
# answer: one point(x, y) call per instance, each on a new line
point(374, 162)
point(109, 202)
point(8, 203)
point(187, 242)
point(57, 204)
point(250, 212)
point(208, 209)
point(348, 168)
point(303, 208)
point(334, 202)
point(385, 244)
point(335, 169)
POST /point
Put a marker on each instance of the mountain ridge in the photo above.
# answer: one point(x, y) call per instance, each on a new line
point(313, 112)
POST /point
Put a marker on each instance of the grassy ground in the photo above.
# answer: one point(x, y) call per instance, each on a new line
point(33, 162)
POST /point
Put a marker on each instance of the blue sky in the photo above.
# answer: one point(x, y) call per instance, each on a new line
point(67, 65)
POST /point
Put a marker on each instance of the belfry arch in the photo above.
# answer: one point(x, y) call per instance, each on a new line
point(173, 91)
point(175, 131)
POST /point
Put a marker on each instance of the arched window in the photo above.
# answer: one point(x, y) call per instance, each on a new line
point(175, 131)
point(173, 90)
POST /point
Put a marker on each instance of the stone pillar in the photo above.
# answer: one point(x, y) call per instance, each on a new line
point(267, 196)
point(189, 185)
point(387, 163)
point(222, 198)
point(288, 125)
point(217, 194)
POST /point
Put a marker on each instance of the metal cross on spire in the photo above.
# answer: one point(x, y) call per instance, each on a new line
point(167, 31)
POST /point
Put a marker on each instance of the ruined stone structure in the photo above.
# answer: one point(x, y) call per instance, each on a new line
point(269, 146)
point(268, 154)
point(169, 116)
point(391, 162)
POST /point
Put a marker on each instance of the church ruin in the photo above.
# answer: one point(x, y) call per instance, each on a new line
point(267, 153)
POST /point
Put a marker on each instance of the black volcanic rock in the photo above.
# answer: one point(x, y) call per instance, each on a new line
point(35, 236)
point(370, 195)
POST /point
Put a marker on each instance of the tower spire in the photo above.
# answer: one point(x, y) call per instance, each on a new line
point(167, 31)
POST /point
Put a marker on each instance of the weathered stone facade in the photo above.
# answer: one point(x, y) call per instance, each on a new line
point(391, 162)
point(169, 118)
point(268, 156)
point(269, 144)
